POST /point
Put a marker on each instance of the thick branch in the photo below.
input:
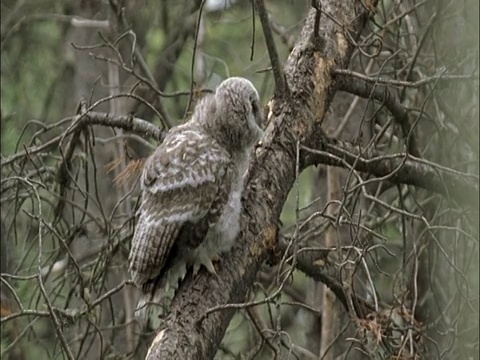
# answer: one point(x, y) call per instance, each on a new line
point(125, 122)
point(272, 175)
point(396, 168)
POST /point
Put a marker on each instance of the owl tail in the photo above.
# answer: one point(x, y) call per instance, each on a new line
point(151, 245)
point(157, 296)
point(152, 306)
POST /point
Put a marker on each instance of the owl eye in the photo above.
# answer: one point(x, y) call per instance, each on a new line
point(256, 112)
point(255, 108)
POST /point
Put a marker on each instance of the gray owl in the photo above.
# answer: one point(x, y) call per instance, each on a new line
point(191, 190)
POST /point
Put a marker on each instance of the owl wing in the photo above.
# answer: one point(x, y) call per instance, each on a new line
point(184, 189)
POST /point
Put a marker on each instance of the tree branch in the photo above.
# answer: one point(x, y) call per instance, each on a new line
point(385, 96)
point(125, 122)
point(397, 168)
point(402, 83)
point(171, 51)
point(280, 84)
point(315, 264)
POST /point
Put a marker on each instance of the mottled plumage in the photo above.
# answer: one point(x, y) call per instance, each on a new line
point(191, 189)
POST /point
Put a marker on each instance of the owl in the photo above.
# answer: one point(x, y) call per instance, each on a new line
point(191, 190)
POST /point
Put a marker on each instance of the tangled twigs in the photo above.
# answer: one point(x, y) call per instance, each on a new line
point(63, 176)
point(125, 122)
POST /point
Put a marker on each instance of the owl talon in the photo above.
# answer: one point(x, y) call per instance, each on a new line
point(210, 268)
point(207, 264)
point(196, 268)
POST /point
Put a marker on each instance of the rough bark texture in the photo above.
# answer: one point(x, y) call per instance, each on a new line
point(293, 116)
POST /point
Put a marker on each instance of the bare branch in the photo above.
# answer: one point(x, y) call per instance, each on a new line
point(400, 83)
point(125, 122)
point(397, 168)
point(281, 88)
point(385, 96)
point(316, 264)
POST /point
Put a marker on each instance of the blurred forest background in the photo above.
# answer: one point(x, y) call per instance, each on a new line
point(75, 76)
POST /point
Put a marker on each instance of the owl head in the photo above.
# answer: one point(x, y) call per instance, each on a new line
point(238, 120)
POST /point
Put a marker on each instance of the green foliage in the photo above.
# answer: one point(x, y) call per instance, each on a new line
point(154, 40)
point(30, 64)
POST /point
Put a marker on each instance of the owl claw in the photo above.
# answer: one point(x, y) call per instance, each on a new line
point(196, 268)
point(207, 264)
point(211, 269)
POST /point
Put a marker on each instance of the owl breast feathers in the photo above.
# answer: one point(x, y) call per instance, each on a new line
point(192, 185)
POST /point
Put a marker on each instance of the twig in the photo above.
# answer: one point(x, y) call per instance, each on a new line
point(414, 171)
point(252, 44)
point(415, 84)
point(192, 68)
point(384, 95)
point(126, 122)
point(279, 77)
